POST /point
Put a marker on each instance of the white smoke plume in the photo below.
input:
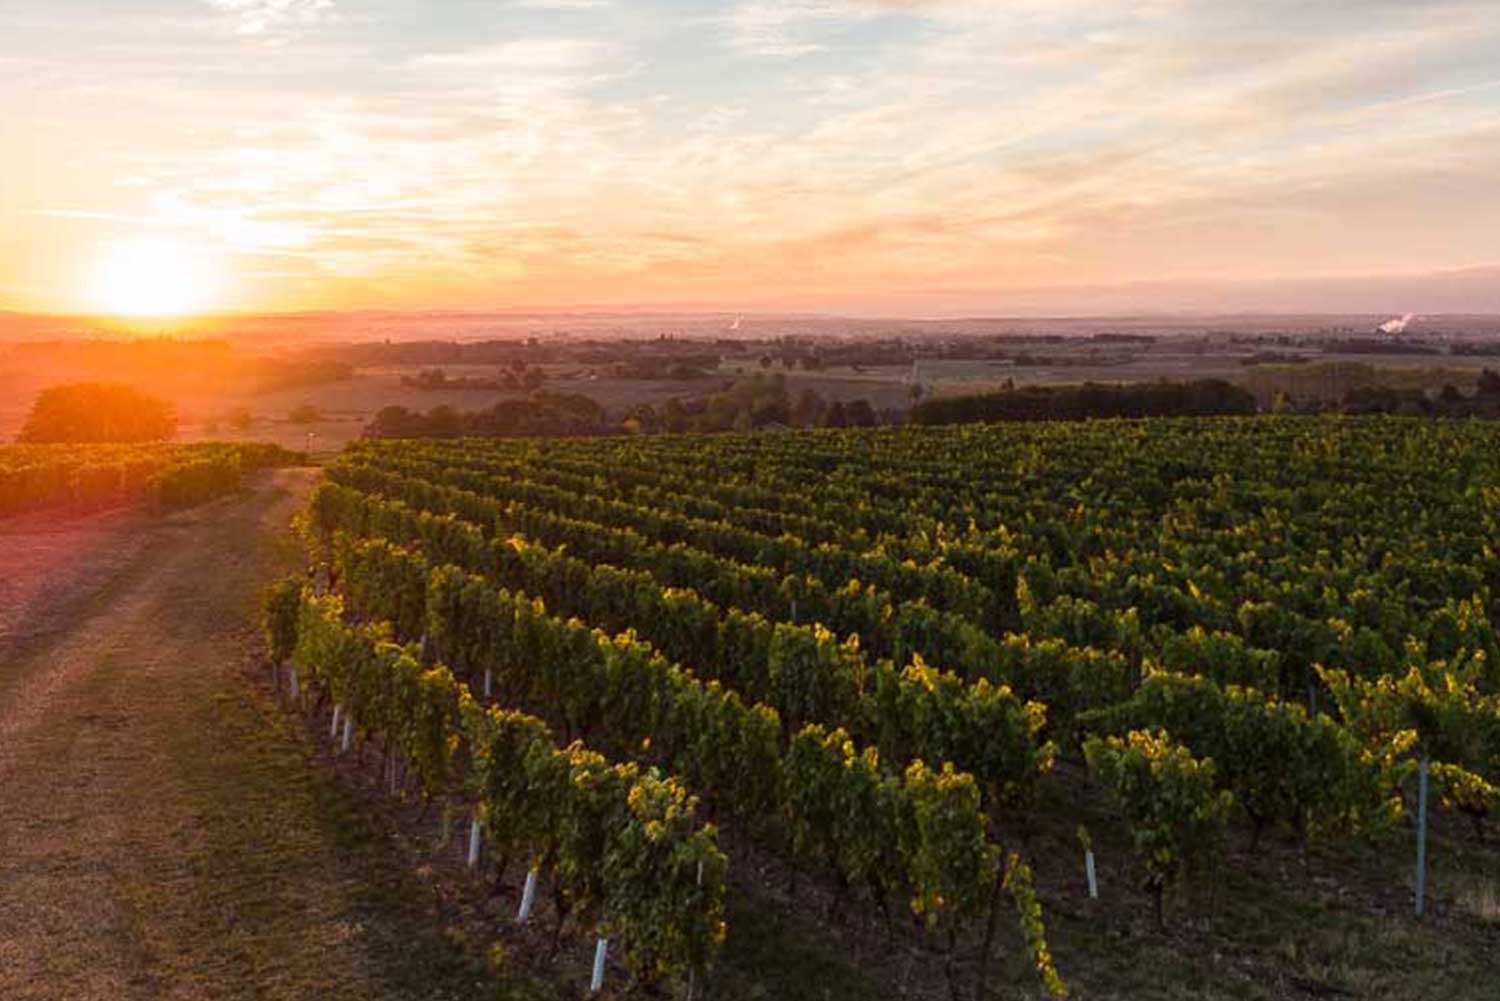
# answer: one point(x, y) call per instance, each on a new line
point(1398, 325)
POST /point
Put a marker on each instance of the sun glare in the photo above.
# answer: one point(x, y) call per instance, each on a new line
point(154, 276)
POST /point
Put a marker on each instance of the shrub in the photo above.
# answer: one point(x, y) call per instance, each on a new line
point(87, 412)
point(305, 413)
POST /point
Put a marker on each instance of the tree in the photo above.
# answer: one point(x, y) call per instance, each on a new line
point(808, 409)
point(861, 414)
point(305, 413)
point(88, 412)
point(673, 418)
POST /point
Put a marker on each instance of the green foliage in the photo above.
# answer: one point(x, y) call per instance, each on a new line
point(96, 412)
point(1285, 769)
point(1437, 709)
point(94, 476)
point(1029, 908)
point(1171, 807)
point(620, 846)
point(1200, 397)
point(844, 812)
point(184, 484)
point(952, 863)
point(305, 413)
point(933, 715)
point(279, 612)
point(1223, 657)
point(787, 622)
point(666, 883)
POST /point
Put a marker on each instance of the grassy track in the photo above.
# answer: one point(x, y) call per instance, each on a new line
point(162, 834)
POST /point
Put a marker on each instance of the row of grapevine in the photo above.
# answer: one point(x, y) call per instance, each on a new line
point(1272, 620)
point(93, 476)
point(587, 579)
point(805, 673)
point(623, 695)
point(621, 846)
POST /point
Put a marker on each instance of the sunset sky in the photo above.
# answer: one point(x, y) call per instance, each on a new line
point(906, 156)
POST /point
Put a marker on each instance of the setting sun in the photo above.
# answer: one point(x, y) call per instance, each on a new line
point(154, 276)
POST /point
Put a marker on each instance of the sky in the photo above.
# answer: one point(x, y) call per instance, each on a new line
point(916, 157)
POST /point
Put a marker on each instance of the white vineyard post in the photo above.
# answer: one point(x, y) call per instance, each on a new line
point(1088, 866)
point(474, 841)
point(292, 674)
point(348, 733)
point(333, 728)
point(692, 988)
point(528, 897)
point(601, 951)
point(1422, 836)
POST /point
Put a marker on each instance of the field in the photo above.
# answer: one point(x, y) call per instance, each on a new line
point(905, 678)
point(806, 716)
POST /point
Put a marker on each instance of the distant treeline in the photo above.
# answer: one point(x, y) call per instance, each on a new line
point(1450, 401)
point(759, 401)
point(755, 402)
point(1378, 346)
point(544, 414)
point(1200, 398)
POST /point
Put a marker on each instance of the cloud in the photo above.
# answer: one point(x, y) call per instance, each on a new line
point(563, 4)
point(792, 28)
point(543, 55)
point(257, 17)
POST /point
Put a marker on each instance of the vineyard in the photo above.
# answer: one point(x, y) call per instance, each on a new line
point(84, 477)
point(881, 662)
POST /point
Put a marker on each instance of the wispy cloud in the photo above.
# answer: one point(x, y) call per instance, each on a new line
point(563, 4)
point(791, 28)
point(257, 17)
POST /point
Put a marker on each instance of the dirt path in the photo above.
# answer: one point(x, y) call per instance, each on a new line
point(161, 832)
